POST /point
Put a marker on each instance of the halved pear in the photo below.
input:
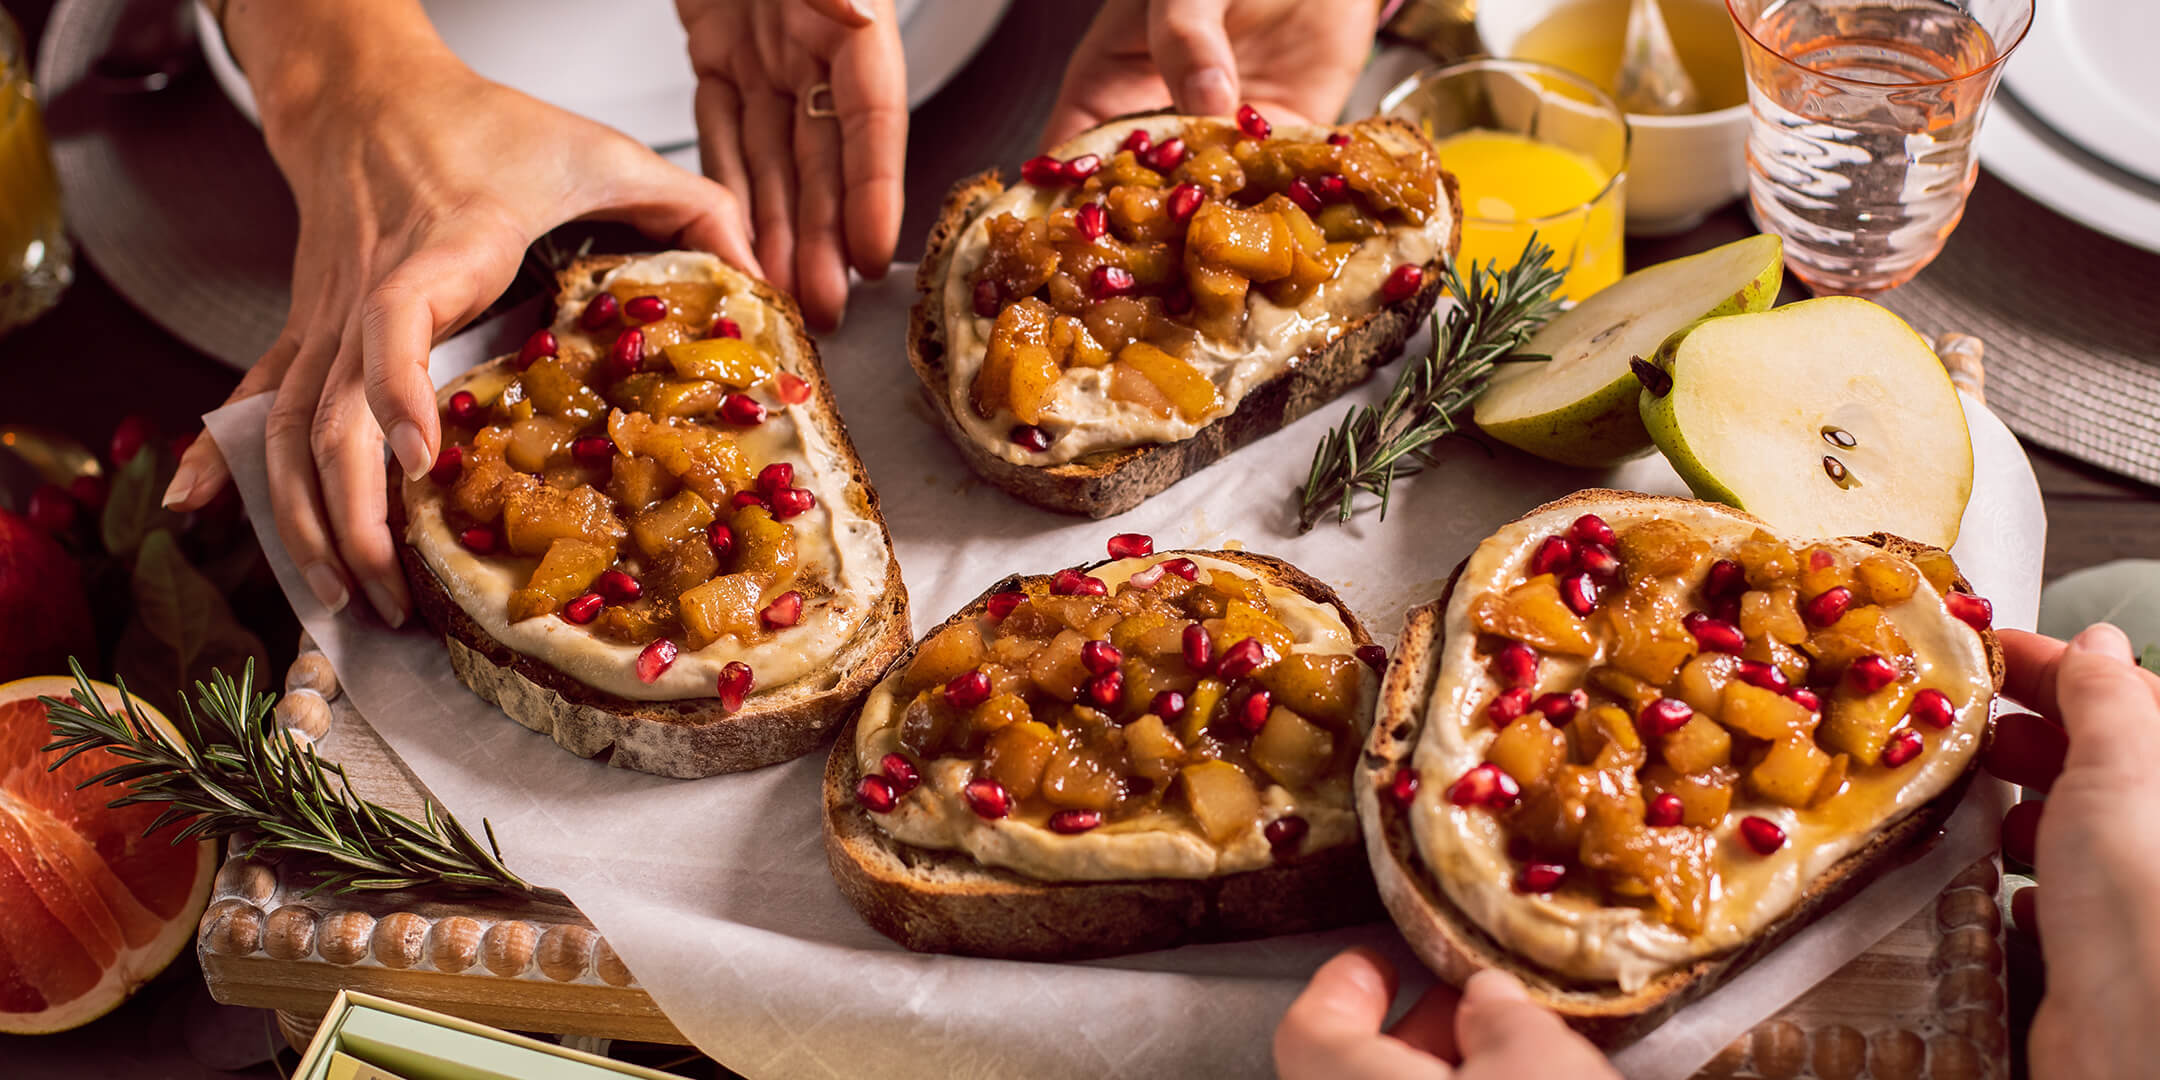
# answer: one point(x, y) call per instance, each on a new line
point(1828, 417)
point(1578, 408)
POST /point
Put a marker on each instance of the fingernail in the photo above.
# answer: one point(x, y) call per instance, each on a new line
point(862, 11)
point(2107, 639)
point(386, 604)
point(1493, 984)
point(183, 483)
point(1208, 91)
point(411, 449)
point(327, 587)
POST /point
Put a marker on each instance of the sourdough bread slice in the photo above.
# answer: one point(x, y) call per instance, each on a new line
point(947, 902)
point(1455, 946)
point(1113, 481)
point(695, 736)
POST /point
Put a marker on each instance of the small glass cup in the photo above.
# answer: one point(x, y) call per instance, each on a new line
point(1862, 120)
point(1533, 149)
point(35, 258)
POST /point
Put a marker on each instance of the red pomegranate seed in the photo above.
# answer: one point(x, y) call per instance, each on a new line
point(1714, 635)
point(1591, 529)
point(655, 659)
point(599, 311)
point(645, 309)
point(1138, 141)
point(593, 450)
point(1402, 283)
point(1932, 707)
point(1252, 714)
point(968, 689)
point(1043, 171)
point(1100, 657)
point(1106, 690)
point(1728, 609)
point(480, 540)
point(89, 490)
point(1071, 582)
point(876, 795)
point(721, 538)
point(1871, 673)
point(464, 407)
point(1167, 704)
point(1579, 593)
point(742, 499)
point(540, 343)
point(1184, 199)
point(448, 465)
point(778, 476)
point(1402, 787)
point(1974, 611)
point(1726, 578)
point(1177, 301)
point(1199, 648)
point(1374, 656)
point(1338, 138)
point(790, 502)
point(1146, 579)
point(1165, 155)
point(733, 686)
point(724, 327)
point(783, 612)
point(987, 798)
point(1002, 604)
point(1332, 188)
point(1252, 123)
point(742, 409)
point(1080, 168)
point(1285, 834)
point(1485, 785)
point(628, 352)
point(1762, 834)
point(1540, 877)
point(1599, 562)
point(1092, 221)
point(1109, 281)
point(901, 772)
point(618, 587)
point(1805, 698)
point(1029, 437)
point(1664, 716)
point(1303, 195)
point(1664, 812)
point(1131, 545)
point(51, 508)
point(1764, 675)
point(1183, 567)
point(1508, 706)
point(1552, 556)
point(793, 388)
point(1244, 658)
point(988, 298)
point(1073, 822)
point(1827, 607)
point(1903, 746)
point(1560, 708)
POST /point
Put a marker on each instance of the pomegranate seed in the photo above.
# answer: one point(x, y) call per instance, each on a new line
point(1714, 635)
point(792, 502)
point(1332, 188)
point(1109, 281)
point(734, 685)
point(1374, 656)
point(1932, 706)
point(1820, 559)
point(1599, 562)
point(724, 327)
point(1402, 787)
point(1071, 582)
point(1252, 714)
point(1104, 691)
point(540, 343)
point(1805, 698)
point(1177, 301)
point(1199, 648)
point(1827, 607)
point(593, 449)
point(1002, 604)
point(1183, 567)
point(1903, 746)
point(1100, 657)
point(742, 499)
point(793, 388)
point(1764, 675)
point(1285, 834)
point(783, 612)
point(1664, 812)
point(1508, 707)
point(599, 311)
point(1338, 138)
point(1167, 704)
point(968, 689)
point(1728, 609)
point(628, 352)
point(1147, 578)
point(1071, 822)
point(448, 465)
point(1138, 141)
point(987, 798)
point(1664, 716)
point(1165, 155)
point(1871, 673)
point(645, 309)
point(1252, 123)
point(1579, 593)
point(742, 409)
point(90, 490)
point(1244, 658)
point(655, 659)
point(1304, 196)
point(1726, 578)
point(1080, 168)
point(133, 433)
point(1029, 437)
point(1761, 834)
point(464, 407)
point(1043, 171)
point(721, 538)
point(901, 772)
point(1091, 220)
point(1974, 611)
point(618, 587)
point(1560, 708)
point(480, 540)
point(583, 609)
point(988, 298)
point(1540, 877)
point(1591, 529)
point(1402, 283)
point(778, 476)
point(51, 508)
point(1552, 556)
point(1487, 786)
point(876, 795)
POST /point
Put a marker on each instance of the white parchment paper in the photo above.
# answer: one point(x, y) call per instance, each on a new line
point(715, 891)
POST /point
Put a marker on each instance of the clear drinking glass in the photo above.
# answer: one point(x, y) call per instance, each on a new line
point(35, 259)
point(1860, 146)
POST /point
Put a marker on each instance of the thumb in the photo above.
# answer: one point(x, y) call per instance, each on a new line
point(1502, 1033)
point(1192, 51)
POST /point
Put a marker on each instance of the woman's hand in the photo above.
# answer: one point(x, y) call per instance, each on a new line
point(2092, 843)
point(420, 186)
point(820, 193)
point(1294, 61)
point(1489, 1031)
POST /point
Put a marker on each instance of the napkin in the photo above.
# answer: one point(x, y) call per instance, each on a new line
point(715, 892)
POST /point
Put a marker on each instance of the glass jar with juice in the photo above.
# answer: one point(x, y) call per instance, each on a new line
point(34, 253)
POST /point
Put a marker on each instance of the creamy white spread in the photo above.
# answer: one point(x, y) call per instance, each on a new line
point(1165, 844)
point(1082, 417)
point(1466, 848)
point(834, 542)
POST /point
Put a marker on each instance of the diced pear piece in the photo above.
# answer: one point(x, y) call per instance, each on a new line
point(1791, 771)
point(727, 604)
point(733, 361)
point(1860, 724)
point(1315, 684)
point(1193, 394)
point(661, 526)
point(1155, 752)
point(1529, 750)
point(1221, 797)
point(1701, 744)
point(535, 516)
point(1763, 714)
point(1017, 755)
point(948, 654)
point(570, 567)
point(1534, 614)
point(1705, 798)
point(1291, 749)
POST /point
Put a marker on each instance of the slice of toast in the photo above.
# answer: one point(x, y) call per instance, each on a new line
point(690, 737)
point(947, 902)
point(1113, 481)
point(1456, 947)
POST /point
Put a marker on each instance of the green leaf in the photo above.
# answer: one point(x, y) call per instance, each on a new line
point(2125, 592)
point(2151, 659)
point(177, 603)
point(131, 506)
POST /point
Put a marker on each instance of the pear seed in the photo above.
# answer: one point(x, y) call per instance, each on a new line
point(1837, 471)
point(1837, 436)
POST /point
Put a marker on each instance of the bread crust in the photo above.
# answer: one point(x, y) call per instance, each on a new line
point(1113, 481)
point(692, 737)
point(1455, 947)
point(946, 902)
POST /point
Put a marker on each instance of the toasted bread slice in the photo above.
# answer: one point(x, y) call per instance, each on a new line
point(947, 902)
point(1113, 481)
point(690, 737)
point(1456, 947)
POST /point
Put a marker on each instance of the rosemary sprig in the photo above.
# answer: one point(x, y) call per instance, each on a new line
point(228, 767)
point(1493, 314)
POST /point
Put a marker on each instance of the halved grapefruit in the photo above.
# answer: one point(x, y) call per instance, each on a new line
point(90, 908)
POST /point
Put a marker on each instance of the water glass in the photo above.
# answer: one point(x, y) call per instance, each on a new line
point(35, 259)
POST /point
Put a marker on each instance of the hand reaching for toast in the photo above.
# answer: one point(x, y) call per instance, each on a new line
point(1490, 1030)
point(1293, 61)
point(2095, 749)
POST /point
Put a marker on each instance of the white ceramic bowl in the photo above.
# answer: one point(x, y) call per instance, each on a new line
point(1681, 167)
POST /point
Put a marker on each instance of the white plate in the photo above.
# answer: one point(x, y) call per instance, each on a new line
point(2087, 70)
point(2054, 171)
point(648, 86)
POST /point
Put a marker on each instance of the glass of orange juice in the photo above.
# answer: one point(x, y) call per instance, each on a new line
point(34, 254)
point(1534, 149)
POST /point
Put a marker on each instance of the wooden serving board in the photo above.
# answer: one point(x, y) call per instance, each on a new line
point(1926, 1003)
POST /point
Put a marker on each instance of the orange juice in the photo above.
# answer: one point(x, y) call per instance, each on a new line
point(1585, 37)
point(1513, 185)
point(34, 253)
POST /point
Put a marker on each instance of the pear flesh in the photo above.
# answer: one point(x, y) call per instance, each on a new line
point(1579, 407)
point(1827, 417)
